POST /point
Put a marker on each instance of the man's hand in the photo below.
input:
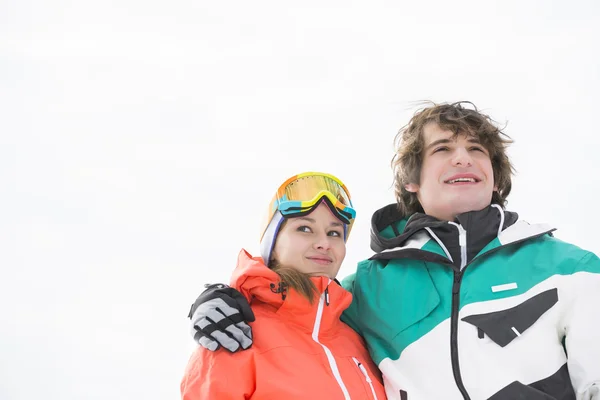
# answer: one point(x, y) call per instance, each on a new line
point(219, 318)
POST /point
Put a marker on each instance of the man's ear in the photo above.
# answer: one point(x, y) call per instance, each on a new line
point(411, 187)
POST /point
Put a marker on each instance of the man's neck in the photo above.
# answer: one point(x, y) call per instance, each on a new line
point(451, 216)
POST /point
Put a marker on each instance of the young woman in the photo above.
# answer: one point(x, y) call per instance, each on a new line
point(301, 349)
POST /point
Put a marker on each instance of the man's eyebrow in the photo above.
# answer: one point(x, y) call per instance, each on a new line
point(446, 141)
point(438, 142)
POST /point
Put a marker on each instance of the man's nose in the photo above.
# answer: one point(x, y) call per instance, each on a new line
point(461, 157)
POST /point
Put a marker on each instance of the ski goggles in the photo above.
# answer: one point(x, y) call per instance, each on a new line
point(299, 195)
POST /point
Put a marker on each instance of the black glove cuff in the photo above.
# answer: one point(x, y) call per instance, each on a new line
point(208, 294)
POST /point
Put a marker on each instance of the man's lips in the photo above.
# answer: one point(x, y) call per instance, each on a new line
point(462, 179)
point(323, 260)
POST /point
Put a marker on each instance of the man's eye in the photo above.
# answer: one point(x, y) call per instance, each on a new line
point(477, 148)
point(444, 148)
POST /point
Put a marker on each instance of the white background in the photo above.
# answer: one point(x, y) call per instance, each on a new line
point(140, 142)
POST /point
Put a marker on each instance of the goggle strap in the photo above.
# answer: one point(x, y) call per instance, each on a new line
point(267, 242)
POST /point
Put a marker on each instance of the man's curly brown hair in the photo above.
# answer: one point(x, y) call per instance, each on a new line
point(461, 118)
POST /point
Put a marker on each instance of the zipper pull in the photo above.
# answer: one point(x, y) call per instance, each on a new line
point(327, 295)
point(456, 285)
point(364, 371)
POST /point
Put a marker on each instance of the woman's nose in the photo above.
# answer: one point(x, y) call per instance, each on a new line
point(322, 243)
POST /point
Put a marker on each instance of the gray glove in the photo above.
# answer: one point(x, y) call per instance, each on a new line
point(220, 317)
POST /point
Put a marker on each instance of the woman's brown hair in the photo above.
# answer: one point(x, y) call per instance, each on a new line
point(290, 278)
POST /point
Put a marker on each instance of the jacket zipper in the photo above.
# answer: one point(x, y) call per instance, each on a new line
point(462, 239)
point(456, 294)
point(330, 358)
point(367, 378)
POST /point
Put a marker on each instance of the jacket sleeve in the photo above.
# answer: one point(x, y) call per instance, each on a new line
point(582, 326)
point(219, 375)
point(350, 315)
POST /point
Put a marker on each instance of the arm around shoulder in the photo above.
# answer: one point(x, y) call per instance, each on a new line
point(350, 316)
point(582, 325)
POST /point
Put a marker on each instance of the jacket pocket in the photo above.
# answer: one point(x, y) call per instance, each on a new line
point(519, 391)
point(408, 296)
point(365, 374)
point(504, 326)
point(389, 298)
point(556, 387)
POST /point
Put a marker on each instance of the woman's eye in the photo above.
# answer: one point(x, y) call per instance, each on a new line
point(303, 228)
point(335, 233)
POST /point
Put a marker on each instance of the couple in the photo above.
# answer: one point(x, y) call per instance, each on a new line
point(461, 300)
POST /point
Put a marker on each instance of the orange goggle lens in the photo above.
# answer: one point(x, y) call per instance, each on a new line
point(299, 194)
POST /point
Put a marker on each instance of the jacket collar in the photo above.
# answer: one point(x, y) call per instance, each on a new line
point(261, 286)
point(422, 236)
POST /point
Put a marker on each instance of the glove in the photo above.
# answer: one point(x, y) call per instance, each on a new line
point(219, 319)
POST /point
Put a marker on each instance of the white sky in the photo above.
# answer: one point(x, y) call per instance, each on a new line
point(140, 142)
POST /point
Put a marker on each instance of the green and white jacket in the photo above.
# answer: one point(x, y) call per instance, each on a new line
point(485, 307)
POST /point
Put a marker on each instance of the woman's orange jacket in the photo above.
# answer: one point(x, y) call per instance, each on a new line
point(300, 351)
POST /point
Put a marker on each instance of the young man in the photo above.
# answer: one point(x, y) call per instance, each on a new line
point(461, 300)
